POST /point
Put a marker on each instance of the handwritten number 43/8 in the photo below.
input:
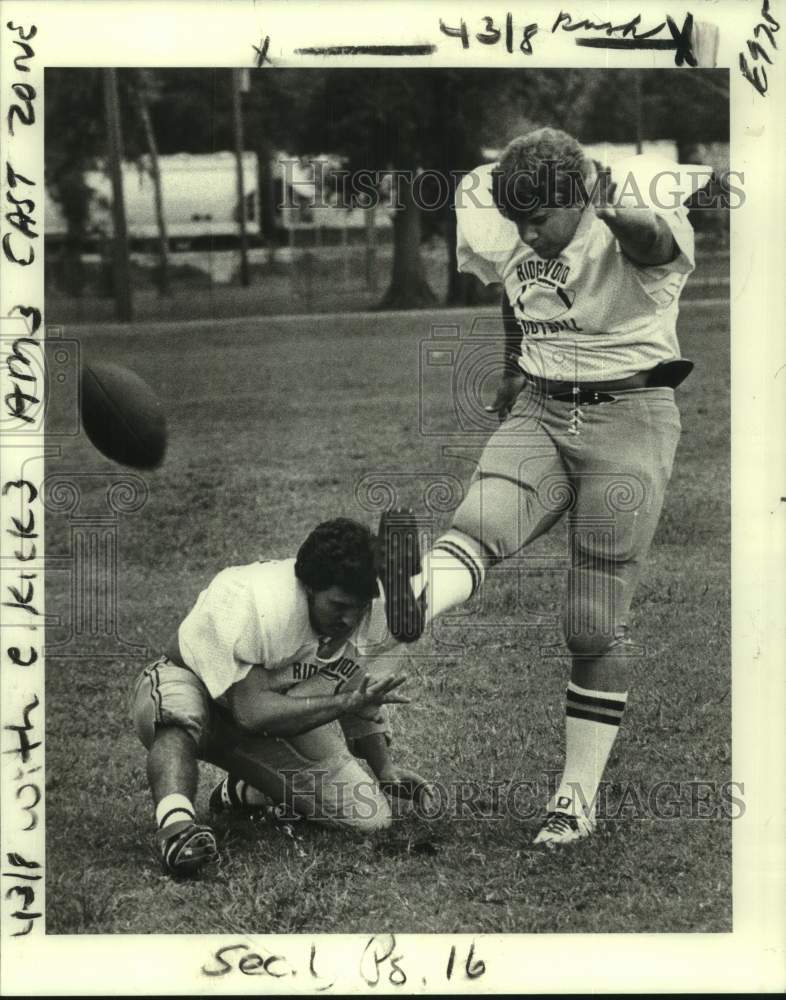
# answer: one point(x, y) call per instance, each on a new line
point(491, 34)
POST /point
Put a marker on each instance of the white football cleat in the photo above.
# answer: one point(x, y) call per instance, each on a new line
point(560, 828)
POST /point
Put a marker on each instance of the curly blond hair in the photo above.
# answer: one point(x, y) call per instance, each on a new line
point(544, 168)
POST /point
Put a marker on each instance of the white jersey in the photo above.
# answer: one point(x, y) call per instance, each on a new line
point(258, 615)
point(590, 314)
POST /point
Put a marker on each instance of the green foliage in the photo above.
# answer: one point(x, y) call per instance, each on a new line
point(74, 138)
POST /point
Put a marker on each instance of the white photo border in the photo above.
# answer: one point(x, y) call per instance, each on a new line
point(217, 33)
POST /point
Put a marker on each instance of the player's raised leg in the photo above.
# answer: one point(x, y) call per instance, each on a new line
point(419, 590)
point(501, 513)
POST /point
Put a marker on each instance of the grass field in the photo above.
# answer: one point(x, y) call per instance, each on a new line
point(335, 281)
point(273, 423)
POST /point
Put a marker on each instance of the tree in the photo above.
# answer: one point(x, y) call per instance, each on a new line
point(438, 121)
point(77, 143)
point(146, 90)
point(75, 134)
point(370, 117)
point(410, 122)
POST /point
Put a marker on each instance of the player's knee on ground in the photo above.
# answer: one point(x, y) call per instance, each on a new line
point(372, 819)
point(313, 775)
point(347, 798)
point(363, 809)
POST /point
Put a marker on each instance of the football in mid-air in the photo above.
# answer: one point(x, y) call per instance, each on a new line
point(122, 416)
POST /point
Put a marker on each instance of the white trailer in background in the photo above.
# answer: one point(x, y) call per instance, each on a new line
point(199, 195)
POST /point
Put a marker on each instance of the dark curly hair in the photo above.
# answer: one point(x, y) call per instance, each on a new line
point(339, 553)
point(542, 169)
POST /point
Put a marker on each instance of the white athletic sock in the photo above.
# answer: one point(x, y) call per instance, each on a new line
point(592, 720)
point(173, 809)
point(453, 571)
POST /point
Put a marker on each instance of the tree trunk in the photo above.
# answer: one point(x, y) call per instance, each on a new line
point(266, 195)
point(73, 196)
point(122, 267)
point(73, 270)
point(237, 129)
point(155, 176)
point(462, 288)
point(408, 287)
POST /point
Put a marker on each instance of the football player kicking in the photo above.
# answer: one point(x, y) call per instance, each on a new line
point(264, 679)
point(589, 425)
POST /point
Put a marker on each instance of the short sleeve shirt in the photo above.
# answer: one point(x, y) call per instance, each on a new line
point(589, 314)
point(257, 615)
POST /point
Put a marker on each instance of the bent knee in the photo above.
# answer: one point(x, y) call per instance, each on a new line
point(592, 643)
point(352, 800)
point(360, 817)
point(588, 644)
point(369, 813)
point(381, 820)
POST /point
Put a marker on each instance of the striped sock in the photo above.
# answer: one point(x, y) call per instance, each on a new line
point(453, 571)
point(173, 809)
point(592, 720)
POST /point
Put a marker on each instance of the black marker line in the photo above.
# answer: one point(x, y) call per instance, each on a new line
point(627, 43)
point(368, 50)
point(261, 51)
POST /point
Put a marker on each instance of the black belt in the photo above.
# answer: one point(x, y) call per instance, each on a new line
point(668, 374)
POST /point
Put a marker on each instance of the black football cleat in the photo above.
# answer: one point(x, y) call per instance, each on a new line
point(224, 799)
point(186, 847)
point(399, 560)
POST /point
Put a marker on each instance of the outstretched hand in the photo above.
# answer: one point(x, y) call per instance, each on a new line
point(378, 692)
point(605, 194)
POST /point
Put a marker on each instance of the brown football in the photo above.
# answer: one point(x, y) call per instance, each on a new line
point(122, 416)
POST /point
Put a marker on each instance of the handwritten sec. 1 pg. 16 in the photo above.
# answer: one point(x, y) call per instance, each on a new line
point(381, 962)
